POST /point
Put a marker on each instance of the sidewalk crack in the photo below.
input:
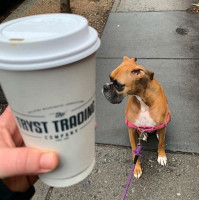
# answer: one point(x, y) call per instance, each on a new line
point(118, 5)
point(49, 193)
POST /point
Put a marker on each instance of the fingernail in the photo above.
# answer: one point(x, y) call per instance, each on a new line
point(47, 161)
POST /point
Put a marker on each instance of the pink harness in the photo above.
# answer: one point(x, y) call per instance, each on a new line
point(148, 129)
point(137, 152)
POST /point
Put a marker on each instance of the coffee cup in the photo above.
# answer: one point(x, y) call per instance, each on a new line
point(47, 72)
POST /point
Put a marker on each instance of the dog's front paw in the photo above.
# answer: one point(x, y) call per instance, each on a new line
point(137, 172)
point(162, 160)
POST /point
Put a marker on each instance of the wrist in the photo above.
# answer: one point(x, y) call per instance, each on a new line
point(7, 194)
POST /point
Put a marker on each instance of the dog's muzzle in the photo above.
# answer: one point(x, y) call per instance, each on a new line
point(111, 94)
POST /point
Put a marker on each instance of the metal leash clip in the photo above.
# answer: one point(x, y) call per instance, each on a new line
point(143, 136)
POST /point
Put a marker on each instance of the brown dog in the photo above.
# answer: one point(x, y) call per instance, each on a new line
point(146, 106)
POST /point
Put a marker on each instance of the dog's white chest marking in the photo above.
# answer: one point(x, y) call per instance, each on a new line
point(144, 118)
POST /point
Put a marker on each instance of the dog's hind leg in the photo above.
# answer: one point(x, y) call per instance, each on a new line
point(162, 158)
point(133, 136)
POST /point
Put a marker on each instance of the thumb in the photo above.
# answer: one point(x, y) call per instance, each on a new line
point(26, 161)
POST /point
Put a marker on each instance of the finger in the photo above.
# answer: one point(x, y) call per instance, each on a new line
point(17, 138)
point(9, 140)
point(9, 127)
point(7, 120)
point(26, 161)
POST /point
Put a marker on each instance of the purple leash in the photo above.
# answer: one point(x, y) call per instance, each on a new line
point(137, 153)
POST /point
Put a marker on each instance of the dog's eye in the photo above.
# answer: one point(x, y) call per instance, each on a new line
point(136, 71)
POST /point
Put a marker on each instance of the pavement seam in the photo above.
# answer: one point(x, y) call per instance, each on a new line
point(118, 5)
point(152, 11)
point(115, 4)
point(163, 11)
point(49, 193)
point(150, 58)
point(145, 150)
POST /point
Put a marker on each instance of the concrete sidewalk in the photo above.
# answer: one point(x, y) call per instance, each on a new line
point(134, 28)
point(165, 39)
point(179, 179)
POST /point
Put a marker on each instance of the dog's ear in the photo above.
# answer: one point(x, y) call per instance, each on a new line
point(140, 77)
point(140, 73)
point(125, 58)
point(150, 74)
point(134, 59)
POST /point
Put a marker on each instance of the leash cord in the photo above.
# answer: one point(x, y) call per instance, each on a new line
point(137, 153)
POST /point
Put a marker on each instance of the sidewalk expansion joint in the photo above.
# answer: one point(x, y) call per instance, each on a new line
point(49, 193)
point(149, 58)
point(118, 5)
point(150, 11)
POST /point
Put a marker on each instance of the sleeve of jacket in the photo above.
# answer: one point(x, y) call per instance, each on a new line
point(6, 194)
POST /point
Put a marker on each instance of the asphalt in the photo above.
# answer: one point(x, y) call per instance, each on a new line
point(164, 38)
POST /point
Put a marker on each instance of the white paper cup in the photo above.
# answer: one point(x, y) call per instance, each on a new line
point(47, 72)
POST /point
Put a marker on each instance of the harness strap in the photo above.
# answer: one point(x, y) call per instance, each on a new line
point(148, 128)
point(137, 152)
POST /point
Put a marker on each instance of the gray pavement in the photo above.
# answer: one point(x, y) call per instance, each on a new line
point(150, 35)
point(165, 42)
point(153, 5)
point(177, 181)
point(147, 30)
point(178, 78)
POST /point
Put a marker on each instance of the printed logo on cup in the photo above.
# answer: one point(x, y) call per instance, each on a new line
point(61, 125)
